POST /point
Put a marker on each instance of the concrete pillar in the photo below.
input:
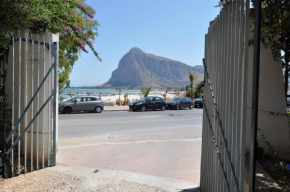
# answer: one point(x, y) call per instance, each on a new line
point(24, 74)
point(272, 122)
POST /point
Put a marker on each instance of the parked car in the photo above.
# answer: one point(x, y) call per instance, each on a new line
point(198, 103)
point(180, 103)
point(85, 103)
point(148, 103)
point(288, 101)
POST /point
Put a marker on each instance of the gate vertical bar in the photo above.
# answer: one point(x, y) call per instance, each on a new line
point(220, 181)
point(231, 96)
point(43, 112)
point(240, 127)
point(234, 84)
point(222, 112)
point(55, 76)
point(37, 101)
point(244, 86)
point(13, 101)
point(32, 105)
point(49, 105)
point(3, 112)
point(255, 95)
point(19, 102)
point(25, 103)
point(227, 87)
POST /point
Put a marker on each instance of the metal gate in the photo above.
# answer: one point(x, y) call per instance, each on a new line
point(225, 92)
point(29, 103)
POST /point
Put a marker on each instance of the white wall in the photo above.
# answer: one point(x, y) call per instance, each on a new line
point(271, 99)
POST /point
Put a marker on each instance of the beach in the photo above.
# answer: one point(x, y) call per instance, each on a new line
point(111, 96)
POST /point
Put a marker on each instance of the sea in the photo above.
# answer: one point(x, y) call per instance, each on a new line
point(76, 92)
point(103, 91)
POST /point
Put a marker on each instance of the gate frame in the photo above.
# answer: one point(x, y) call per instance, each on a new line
point(255, 95)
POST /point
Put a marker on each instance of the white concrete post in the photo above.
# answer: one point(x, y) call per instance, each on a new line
point(28, 64)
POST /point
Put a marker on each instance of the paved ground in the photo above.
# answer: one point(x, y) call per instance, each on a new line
point(122, 151)
point(126, 126)
point(81, 179)
point(155, 144)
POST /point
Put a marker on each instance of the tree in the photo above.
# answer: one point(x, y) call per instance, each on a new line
point(145, 91)
point(187, 94)
point(165, 95)
point(119, 93)
point(199, 90)
point(72, 19)
point(126, 100)
point(67, 85)
point(192, 77)
point(275, 32)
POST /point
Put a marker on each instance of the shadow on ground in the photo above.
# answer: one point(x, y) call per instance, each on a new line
point(197, 189)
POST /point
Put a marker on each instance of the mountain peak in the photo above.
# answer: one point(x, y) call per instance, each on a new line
point(138, 68)
point(135, 49)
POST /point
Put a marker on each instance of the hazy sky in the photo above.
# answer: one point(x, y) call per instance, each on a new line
point(170, 28)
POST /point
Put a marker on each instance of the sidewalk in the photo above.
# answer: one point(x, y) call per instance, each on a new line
point(67, 178)
point(116, 108)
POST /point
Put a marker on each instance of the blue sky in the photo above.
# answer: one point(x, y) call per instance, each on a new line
point(170, 28)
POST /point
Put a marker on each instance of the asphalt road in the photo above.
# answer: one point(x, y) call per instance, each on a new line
point(161, 144)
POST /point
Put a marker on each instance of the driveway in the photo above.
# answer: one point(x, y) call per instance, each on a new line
point(164, 145)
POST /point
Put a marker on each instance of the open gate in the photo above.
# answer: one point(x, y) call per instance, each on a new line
point(225, 94)
point(29, 104)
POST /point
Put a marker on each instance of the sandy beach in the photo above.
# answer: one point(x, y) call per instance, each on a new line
point(133, 97)
point(112, 98)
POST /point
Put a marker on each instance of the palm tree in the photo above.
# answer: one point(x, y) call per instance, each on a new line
point(165, 95)
point(126, 99)
point(70, 94)
point(119, 92)
point(145, 91)
point(192, 77)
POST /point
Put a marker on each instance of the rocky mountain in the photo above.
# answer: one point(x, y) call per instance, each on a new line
point(137, 68)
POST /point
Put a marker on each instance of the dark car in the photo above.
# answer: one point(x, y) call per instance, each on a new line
point(180, 103)
point(148, 103)
point(78, 104)
point(198, 103)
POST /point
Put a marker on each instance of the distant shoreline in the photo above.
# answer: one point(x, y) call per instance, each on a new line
point(124, 88)
point(100, 88)
point(110, 95)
